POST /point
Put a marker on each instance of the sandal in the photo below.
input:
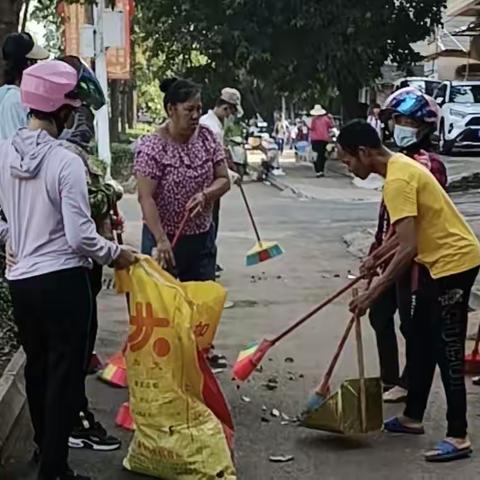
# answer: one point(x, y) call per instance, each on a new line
point(395, 426)
point(446, 451)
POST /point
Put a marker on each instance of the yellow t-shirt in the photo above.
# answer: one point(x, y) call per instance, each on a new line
point(446, 245)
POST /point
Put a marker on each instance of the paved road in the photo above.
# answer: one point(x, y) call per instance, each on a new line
point(311, 231)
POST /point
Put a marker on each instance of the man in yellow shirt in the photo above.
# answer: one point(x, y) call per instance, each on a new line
point(429, 230)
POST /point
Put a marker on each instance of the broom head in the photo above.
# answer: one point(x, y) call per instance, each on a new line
point(250, 358)
point(115, 372)
point(124, 418)
point(262, 252)
point(472, 363)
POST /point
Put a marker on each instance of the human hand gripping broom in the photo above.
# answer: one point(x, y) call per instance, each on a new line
point(124, 417)
point(114, 372)
point(322, 392)
point(250, 358)
point(262, 251)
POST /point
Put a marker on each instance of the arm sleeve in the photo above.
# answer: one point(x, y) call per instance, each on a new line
point(16, 114)
point(400, 198)
point(145, 164)
point(79, 227)
point(218, 153)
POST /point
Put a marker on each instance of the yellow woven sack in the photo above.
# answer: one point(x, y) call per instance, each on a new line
point(177, 437)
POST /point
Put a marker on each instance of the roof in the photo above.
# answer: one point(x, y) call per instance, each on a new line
point(463, 7)
point(446, 43)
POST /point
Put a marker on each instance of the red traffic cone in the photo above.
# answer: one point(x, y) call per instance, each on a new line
point(124, 417)
point(115, 372)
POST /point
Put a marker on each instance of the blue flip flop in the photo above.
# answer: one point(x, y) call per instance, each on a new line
point(447, 452)
point(395, 426)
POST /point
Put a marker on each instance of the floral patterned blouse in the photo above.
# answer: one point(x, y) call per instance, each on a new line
point(181, 170)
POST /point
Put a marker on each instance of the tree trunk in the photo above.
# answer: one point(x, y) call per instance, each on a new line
point(114, 110)
point(123, 108)
point(350, 104)
point(9, 19)
point(131, 105)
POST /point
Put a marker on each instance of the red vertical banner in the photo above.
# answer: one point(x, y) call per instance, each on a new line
point(73, 18)
point(118, 59)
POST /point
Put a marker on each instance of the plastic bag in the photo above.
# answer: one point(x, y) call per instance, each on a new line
point(184, 429)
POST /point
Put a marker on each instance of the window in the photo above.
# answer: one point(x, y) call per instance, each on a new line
point(465, 94)
point(441, 92)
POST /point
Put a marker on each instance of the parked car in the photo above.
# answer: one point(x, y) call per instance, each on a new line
point(459, 124)
point(425, 85)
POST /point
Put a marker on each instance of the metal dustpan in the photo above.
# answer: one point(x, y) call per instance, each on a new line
point(342, 411)
point(356, 407)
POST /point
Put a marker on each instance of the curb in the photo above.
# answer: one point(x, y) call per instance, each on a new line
point(12, 395)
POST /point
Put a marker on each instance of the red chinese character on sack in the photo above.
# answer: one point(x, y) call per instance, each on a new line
point(144, 325)
point(201, 329)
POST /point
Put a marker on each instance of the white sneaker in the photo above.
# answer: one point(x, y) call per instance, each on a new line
point(395, 395)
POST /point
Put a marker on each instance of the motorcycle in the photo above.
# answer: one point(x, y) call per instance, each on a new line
point(238, 151)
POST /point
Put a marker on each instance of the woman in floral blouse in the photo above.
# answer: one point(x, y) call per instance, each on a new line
point(181, 168)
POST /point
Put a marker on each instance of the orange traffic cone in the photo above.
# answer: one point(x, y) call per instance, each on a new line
point(115, 372)
point(124, 417)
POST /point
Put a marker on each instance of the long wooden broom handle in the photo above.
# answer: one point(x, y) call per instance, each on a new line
point(250, 214)
point(328, 301)
point(324, 386)
point(361, 368)
point(180, 229)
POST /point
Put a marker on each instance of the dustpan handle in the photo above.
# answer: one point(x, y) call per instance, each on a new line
point(361, 367)
point(250, 213)
point(325, 385)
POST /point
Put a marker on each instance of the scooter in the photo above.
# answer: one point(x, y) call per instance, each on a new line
point(238, 151)
point(270, 165)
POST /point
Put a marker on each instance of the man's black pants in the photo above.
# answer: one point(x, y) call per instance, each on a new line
point(382, 318)
point(53, 312)
point(437, 337)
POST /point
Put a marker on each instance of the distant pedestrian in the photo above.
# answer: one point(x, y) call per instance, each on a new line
point(320, 135)
point(281, 133)
point(374, 119)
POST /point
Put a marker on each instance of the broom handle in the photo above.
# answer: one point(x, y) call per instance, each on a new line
point(250, 214)
point(361, 368)
point(328, 301)
point(323, 388)
point(180, 229)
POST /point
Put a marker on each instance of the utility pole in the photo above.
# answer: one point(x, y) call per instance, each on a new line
point(102, 118)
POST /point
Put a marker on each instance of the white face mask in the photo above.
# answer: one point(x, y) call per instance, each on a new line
point(405, 136)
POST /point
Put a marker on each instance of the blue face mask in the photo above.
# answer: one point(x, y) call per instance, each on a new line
point(405, 136)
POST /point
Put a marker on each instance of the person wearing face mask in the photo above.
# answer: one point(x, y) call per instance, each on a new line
point(428, 229)
point(228, 105)
point(414, 116)
point(53, 239)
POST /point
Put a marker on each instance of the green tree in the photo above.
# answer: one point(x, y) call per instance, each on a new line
point(298, 48)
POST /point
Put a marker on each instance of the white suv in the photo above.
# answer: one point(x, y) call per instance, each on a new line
point(459, 124)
